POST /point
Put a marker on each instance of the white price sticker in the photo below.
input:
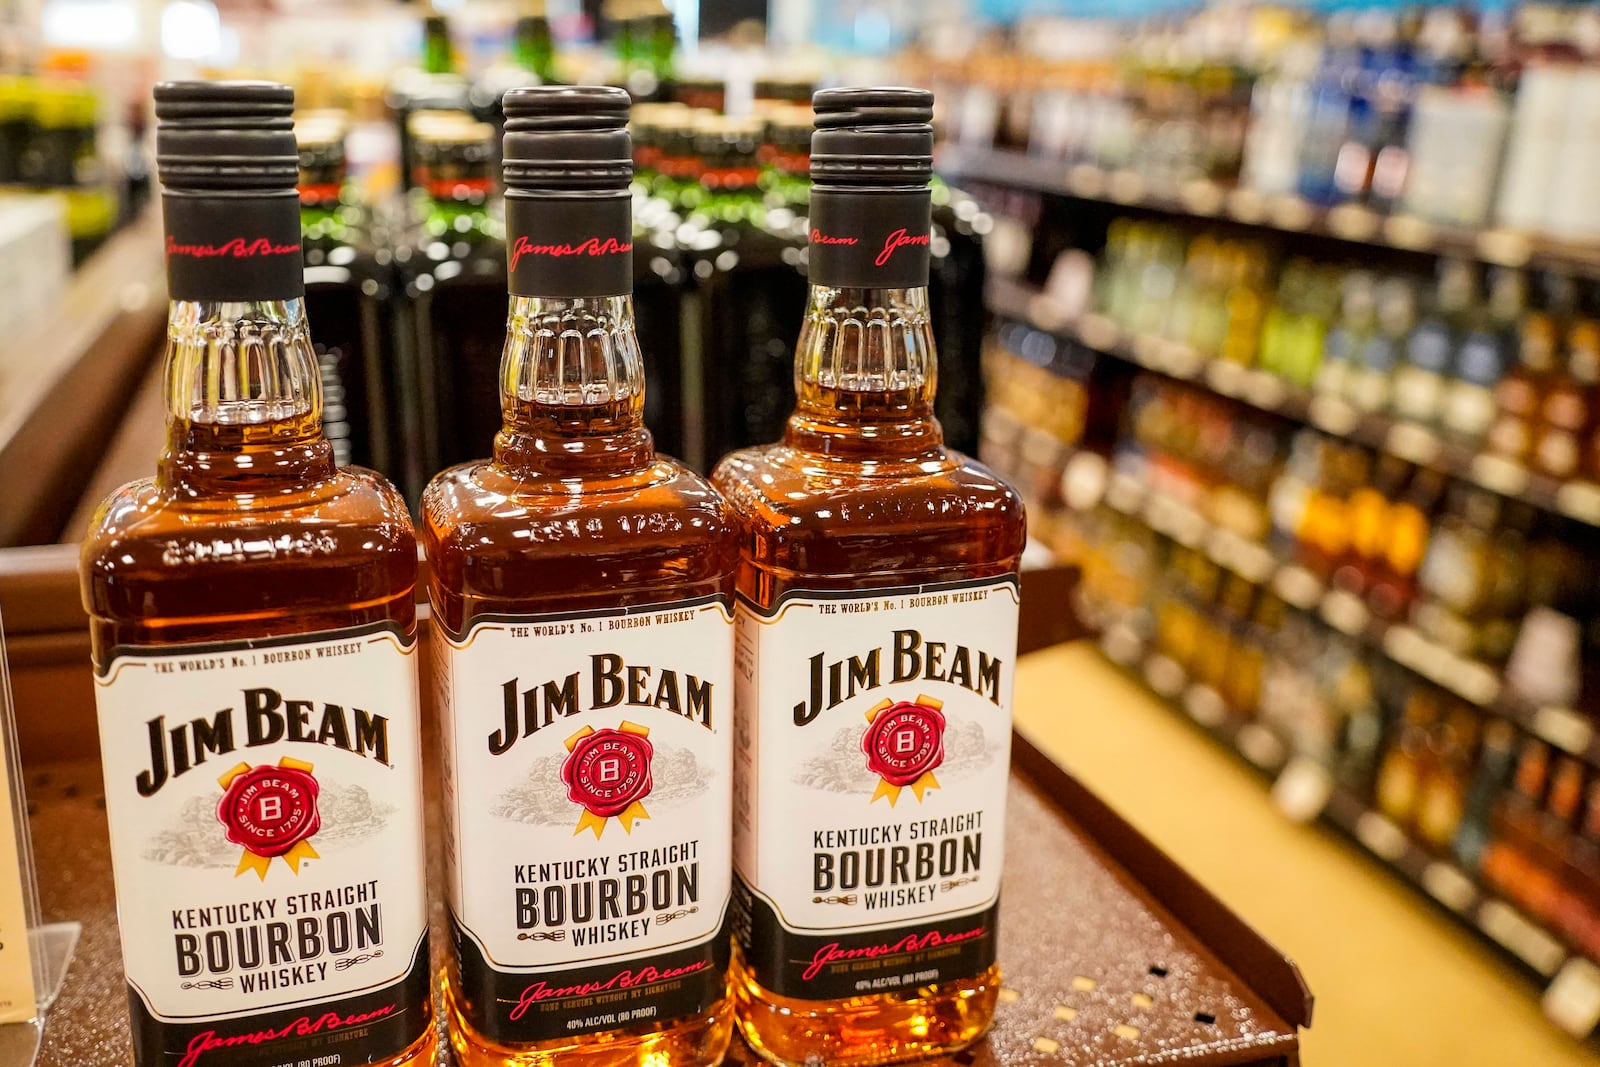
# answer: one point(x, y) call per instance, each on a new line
point(1581, 501)
point(1226, 377)
point(1446, 884)
point(1205, 706)
point(1345, 612)
point(1573, 1000)
point(1499, 475)
point(1164, 675)
point(1564, 728)
point(1298, 586)
point(1303, 789)
point(1413, 443)
point(1261, 746)
point(1515, 932)
point(1380, 836)
point(1332, 415)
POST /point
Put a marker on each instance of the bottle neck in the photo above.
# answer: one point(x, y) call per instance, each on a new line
point(572, 389)
point(244, 400)
point(865, 373)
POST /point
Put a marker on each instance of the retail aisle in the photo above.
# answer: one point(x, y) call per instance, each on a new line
point(1396, 982)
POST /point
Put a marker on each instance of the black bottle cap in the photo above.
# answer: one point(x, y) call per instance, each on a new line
point(567, 138)
point(221, 136)
point(880, 137)
point(569, 214)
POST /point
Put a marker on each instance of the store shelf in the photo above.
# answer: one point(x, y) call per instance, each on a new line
point(1286, 215)
point(1113, 954)
point(1472, 680)
point(1305, 791)
point(1576, 499)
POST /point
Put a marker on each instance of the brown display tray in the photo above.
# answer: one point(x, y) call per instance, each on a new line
point(1112, 954)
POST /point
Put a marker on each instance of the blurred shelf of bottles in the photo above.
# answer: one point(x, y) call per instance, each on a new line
point(1433, 128)
point(57, 140)
point(407, 290)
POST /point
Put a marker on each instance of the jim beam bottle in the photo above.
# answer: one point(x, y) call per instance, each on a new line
point(582, 589)
point(253, 625)
point(877, 635)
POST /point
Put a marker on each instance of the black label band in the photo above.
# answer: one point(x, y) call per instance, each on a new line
point(368, 1027)
point(234, 247)
point(870, 239)
point(832, 966)
point(569, 247)
point(512, 1007)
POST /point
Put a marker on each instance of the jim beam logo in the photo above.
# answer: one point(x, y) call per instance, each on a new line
point(903, 743)
point(271, 813)
point(607, 773)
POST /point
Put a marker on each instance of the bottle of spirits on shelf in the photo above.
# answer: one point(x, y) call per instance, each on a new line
point(877, 629)
point(1456, 576)
point(1519, 396)
point(581, 588)
point(1422, 378)
point(253, 623)
point(1495, 759)
point(1568, 415)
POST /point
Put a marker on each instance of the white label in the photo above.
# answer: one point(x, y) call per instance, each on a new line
point(265, 805)
point(873, 757)
point(589, 789)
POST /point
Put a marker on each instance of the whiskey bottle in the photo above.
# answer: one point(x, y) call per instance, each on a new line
point(876, 635)
point(253, 626)
point(581, 589)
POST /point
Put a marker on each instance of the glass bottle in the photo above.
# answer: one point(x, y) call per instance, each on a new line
point(254, 576)
point(578, 576)
point(865, 539)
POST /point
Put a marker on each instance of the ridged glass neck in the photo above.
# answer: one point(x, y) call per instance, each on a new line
point(244, 399)
point(572, 389)
point(865, 374)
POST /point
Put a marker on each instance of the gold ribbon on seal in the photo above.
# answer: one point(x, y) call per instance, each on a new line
point(921, 785)
point(302, 850)
point(589, 820)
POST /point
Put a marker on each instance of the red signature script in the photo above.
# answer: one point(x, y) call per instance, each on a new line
point(820, 238)
point(305, 1026)
point(594, 246)
point(621, 980)
point(896, 240)
point(238, 248)
point(831, 953)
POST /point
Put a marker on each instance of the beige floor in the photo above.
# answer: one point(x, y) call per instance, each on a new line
point(1396, 982)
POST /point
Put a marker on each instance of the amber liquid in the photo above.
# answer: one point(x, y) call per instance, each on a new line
point(862, 494)
point(250, 531)
point(575, 512)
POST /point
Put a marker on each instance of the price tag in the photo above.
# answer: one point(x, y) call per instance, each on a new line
point(1381, 837)
point(1499, 475)
point(1332, 415)
point(1472, 681)
point(1565, 729)
point(1181, 360)
point(1261, 746)
point(1202, 197)
point(1507, 248)
point(1529, 943)
point(1086, 181)
point(1581, 501)
point(1264, 390)
point(1253, 562)
point(1413, 443)
point(1406, 647)
point(1352, 222)
point(1147, 350)
point(1125, 493)
point(1446, 884)
point(1345, 612)
point(1205, 706)
point(1164, 675)
point(1408, 231)
point(1247, 205)
point(1099, 332)
point(1125, 187)
point(1303, 789)
point(1298, 586)
point(1188, 526)
point(1121, 645)
point(1572, 1001)
point(1290, 213)
point(1225, 376)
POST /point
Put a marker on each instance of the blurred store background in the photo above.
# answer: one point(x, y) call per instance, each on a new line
point(1285, 318)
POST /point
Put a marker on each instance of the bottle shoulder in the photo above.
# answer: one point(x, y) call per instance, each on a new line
point(355, 512)
point(485, 507)
point(779, 487)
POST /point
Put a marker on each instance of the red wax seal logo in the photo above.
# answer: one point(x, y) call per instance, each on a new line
point(270, 811)
point(607, 773)
point(904, 743)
